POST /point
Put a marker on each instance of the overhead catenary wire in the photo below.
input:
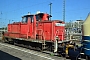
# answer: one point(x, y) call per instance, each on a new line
point(28, 6)
point(31, 6)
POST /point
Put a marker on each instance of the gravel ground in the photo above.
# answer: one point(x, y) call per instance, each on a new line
point(10, 52)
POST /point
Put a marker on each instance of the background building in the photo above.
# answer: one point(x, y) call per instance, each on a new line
point(74, 26)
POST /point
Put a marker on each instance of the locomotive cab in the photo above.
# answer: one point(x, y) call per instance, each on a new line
point(39, 17)
point(25, 18)
point(42, 17)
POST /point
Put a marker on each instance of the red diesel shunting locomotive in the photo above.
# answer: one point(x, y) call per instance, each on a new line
point(37, 29)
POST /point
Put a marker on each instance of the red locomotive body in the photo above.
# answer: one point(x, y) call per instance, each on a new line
point(37, 27)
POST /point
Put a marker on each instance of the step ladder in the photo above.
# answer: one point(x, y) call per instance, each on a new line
point(43, 39)
point(43, 42)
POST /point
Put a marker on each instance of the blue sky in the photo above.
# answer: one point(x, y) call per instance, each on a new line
point(13, 10)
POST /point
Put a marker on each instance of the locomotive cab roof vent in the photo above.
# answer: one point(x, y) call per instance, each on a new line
point(37, 12)
point(28, 13)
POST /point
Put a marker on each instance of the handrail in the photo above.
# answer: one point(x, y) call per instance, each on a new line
point(59, 31)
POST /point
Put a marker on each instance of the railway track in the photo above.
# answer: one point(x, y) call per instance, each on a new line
point(43, 54)
point(33, 52)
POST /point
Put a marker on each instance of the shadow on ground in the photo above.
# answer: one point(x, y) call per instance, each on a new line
point(6, 56)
